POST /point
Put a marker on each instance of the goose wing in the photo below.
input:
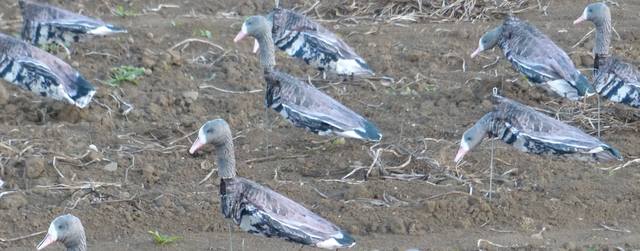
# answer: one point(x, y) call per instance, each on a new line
point(43, 73)
point(290, 216)
point(619, 81)
point(312, 106)
point(287, 24)
point(535, 124)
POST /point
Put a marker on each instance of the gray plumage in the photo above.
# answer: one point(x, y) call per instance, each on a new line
point(534, 55)
point(531, 131)
point(35, 70)
point(258, 209)
point(302, 38)
point(302, 104)
point(614, 78)
point(45, 24)
point(68, 230)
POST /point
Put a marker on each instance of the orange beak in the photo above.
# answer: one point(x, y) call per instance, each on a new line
point(240, 36)
point(48, 240)
point(461, 152)
point(579, 20)
point(476, 52)
point(196, 145)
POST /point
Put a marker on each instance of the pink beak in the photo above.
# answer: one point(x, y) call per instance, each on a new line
point(196, 145)
point(476, 52)
point(256, 46)
point(46, 242)
point(579, 20)
point(460, 154)
point(240, 36)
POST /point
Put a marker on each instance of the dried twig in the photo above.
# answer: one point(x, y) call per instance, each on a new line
point(228, 91)
point(22, 237)
point(274, 157)
point(189, 40)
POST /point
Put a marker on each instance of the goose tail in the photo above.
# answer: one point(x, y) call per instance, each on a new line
point(584, 87)
point(369, 132)
point(339, 240)
point(80, 92)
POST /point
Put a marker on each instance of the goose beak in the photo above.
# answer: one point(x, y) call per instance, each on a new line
point(580, 20)
point(48, 240)
point(476, 52)
point(256, 46)
point(199, 143)
point(240, 36)
point(460, 154)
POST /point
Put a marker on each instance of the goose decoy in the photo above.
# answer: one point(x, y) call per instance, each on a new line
point(45, 24)
point(66, 229)
point(300, 37)
point(35, 70)
point(534, 55)
point(614, 78)
point(260, 210)
point(533, 132)
point(300, 103)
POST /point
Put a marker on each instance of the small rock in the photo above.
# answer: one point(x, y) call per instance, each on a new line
point(396, 225)
point(190, 96)
point(149, 35)
point(150, 174)
point(12, 201)
point(111, 167)
point(92, 156)
point(75, 64)
point(34, 167)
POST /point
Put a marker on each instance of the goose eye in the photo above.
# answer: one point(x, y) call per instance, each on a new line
point(468, 139)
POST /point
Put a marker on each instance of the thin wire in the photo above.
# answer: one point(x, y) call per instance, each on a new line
point(598, 115)
point(230, 241)
point(491, 170)
point(267, 129)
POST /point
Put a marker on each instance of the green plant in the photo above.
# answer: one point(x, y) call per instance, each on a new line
point(125, 73)
point(122, 12)
point(161, 239)
point(204, 33)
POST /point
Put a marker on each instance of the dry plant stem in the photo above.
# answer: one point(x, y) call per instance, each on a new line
point(228, 91)
point(189, 40)
point(605, 227)
point(213, 170)
point(22, 237)
point(583, 38)
point(270, 158)
point(616, 168)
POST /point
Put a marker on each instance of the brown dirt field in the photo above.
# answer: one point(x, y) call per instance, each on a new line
point(422, 114)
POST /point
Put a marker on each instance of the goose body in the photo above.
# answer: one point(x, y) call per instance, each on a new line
point(307, 107)
point(538, 58)
point(259, 210)
point(300, 103)
point(614, 79)
point(45, 24)
point(533, 132)
point(300, 37)
point(35, 70)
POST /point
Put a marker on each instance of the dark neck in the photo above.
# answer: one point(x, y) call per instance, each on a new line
point(78, 244)
point(603, 36)
point(226, 159)
point(267, 51)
